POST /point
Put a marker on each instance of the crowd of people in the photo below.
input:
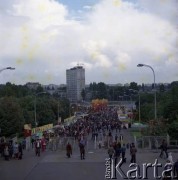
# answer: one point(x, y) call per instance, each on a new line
point(99, 124)
point(103, 126)
point(11, 150)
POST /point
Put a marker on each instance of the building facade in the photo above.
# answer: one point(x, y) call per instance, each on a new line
point(33, 85)
point(75, 78)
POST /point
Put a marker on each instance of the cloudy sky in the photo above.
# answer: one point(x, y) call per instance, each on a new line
point(43, 38)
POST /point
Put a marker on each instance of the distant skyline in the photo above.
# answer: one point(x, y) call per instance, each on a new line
point(43, 38)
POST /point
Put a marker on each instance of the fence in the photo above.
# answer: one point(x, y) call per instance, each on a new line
point(151, 142)
point(59, 143)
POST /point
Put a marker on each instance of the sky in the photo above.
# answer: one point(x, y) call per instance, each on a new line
point(43, 38)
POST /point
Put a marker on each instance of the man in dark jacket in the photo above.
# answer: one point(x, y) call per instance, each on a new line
point(163, 149)
point(20, 151)
point(176, 169)
point(133, 152)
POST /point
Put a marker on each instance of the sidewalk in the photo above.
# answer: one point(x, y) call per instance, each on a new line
point(19, 169)
point(55, 165)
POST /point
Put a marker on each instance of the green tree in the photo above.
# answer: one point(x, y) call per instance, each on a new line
point(102, 90)
point(11, 116)
point(134, 86)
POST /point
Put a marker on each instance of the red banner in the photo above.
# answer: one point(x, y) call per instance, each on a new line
point(27, 130)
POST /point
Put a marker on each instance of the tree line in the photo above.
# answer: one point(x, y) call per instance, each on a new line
point(17, 108)
point(17, 105)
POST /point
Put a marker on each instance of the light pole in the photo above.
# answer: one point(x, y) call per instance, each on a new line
point(58, 110)
point(35, 105)
point(141, 65)
point(10, 68)
point(139, 107)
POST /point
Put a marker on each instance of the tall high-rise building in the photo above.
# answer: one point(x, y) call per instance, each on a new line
point(75, 78)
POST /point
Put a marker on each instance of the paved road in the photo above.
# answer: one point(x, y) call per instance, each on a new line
point(56, 166)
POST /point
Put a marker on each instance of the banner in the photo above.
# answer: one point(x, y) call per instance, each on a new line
point(27, 130)
point(42, 128)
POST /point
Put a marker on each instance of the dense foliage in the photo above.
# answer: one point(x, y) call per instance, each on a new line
point(17, 105)
point(167, 110)
point(17, 108)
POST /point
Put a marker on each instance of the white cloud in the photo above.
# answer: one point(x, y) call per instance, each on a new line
point(87, 7)
point(41, 39)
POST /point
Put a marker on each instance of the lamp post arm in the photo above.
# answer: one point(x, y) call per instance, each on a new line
point(6, 68)
point(152, 71)
point(2, 69)
point(35, 111)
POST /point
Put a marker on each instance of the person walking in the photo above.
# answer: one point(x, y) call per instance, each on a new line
point(20, 149)
point(133, 152)
point(170, 158)
point(111, 151)
point(43, 144)
point(6, 153)
point(37, 147)
point(176, 169)
point(68, 150)
point(10, 150)
point(32, 142)
point(168, 170)
point(163, 149)
point(82, 149)
point(16, 150)
point(117, 151)
point(123, 150)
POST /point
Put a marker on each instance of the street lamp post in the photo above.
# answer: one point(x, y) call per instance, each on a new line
point(58, 110)
point(35, 105)
point(141, 65)
point(139, 108)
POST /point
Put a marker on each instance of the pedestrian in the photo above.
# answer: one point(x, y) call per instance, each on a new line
point(43, 144)
point(167, 170)
point(68, 150)
point(6, 153)
point(176, 169)
point(111, 152)
point(32, 142)
point(82, 149)
point(133, 152)
point(170, 158)
point(116, 137)
point(20, 149)
point(24, 143)
point(123, 150)
point(37, 147)
point(163, 149)
point(118, 151)
point(10, 150)
point(16, 150)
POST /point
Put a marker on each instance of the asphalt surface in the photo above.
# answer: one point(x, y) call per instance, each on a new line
point(54, 165)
